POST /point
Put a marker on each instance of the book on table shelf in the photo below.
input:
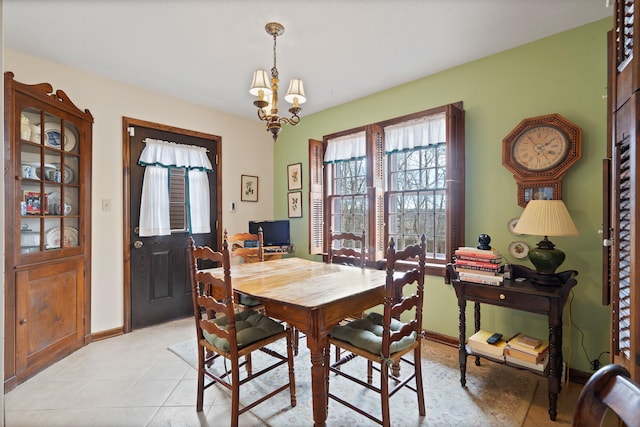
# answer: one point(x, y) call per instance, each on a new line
point(494, 280)
point(478, 344)
point(525, 356)
point(539, 366)
point(528, 344)
point(473, 254)
point(477, 265)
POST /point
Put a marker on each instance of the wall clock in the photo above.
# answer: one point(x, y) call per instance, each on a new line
point(539, 151)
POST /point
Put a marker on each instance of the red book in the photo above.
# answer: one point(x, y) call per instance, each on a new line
point(478, 264)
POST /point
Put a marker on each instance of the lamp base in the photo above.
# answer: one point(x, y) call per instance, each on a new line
point(546, 280)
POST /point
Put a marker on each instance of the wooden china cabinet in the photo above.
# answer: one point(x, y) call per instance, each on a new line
point(47, 175)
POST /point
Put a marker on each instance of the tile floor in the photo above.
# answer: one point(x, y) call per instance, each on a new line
point(133, 380)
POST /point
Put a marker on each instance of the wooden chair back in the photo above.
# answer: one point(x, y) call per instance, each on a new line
point(609, 388)
point(395, 303)
point(348, 255)
point(212, 295)
point(239, 249)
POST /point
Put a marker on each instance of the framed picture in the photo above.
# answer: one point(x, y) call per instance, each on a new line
point(249, 188)
point(294, 176)
point(295, 204)
point(539, 191)
point(34, 203)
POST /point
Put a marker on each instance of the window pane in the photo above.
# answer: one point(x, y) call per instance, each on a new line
point(177, 199)
point(417, 198)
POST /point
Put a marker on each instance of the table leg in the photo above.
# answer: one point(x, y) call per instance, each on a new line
point(462, 351)
point(555, 363)
point(319, 348)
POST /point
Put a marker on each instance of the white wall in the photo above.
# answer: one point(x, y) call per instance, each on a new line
point(109, 101)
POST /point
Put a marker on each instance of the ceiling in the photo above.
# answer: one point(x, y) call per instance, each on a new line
point(205, 51)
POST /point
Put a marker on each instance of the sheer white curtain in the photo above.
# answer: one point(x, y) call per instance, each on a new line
point(158, 157)
point(348, 147)
point(415, 133)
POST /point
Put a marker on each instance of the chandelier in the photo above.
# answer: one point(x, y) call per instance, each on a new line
point(267, 91)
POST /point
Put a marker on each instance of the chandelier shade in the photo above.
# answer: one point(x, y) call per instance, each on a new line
point(266, 91)
point(260, 84)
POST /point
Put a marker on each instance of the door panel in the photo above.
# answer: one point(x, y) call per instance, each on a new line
point(159, 278)
point(46, 323)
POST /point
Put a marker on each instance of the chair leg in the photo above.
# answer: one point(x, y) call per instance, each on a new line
point(370, 371)
point(292, 376)
point(235, 392)
point(384, 394)
point(417, 357)
point(200, 395)
point(296, 341)
point(248, 364)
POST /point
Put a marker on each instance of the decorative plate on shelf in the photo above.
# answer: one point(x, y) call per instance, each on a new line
point(68, 174)
point(53, 137)
point(512, 224)
point(52, 238)
point(519, 249)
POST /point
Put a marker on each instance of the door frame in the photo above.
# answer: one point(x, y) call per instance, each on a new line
point(126, 157)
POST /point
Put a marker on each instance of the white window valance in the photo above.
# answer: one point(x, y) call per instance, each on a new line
point(415, 133)
point(158, 157)
point(348, 147)
point(173, 155)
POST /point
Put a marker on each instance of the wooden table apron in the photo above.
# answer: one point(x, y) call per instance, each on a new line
point(313, 297)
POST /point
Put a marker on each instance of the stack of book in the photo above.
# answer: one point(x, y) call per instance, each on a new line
point(479, 266)
point(477, 344)
point(526, 351)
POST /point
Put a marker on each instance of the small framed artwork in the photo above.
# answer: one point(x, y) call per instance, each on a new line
point(249, 188)
point(295, 204)
point(34, 203)
point(294, 176)
point(539, 191)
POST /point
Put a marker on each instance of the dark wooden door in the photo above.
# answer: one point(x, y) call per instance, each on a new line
point(159, 277)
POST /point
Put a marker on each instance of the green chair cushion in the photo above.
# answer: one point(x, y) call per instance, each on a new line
point(367, 334)
point(250, 327)
point(248, 301)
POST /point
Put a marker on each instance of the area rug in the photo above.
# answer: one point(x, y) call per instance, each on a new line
point(495, 395)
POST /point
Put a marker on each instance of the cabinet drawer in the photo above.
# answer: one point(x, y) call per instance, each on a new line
point(507, 298)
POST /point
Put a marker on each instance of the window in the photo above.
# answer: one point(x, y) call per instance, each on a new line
point(396, 179)
point(177, 199)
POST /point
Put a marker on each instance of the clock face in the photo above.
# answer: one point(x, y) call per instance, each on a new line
point(540, 148)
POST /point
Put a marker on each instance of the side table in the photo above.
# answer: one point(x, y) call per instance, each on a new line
point(519, 295)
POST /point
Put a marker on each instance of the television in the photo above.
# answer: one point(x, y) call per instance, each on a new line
point(274, 233)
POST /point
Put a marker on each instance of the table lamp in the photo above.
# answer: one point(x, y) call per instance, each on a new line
point(546, 218)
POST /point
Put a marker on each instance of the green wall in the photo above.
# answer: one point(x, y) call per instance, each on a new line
point(564, 74)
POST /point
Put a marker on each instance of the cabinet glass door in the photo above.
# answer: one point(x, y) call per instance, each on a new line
point(49, 196)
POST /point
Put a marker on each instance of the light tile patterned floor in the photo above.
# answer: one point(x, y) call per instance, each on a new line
point(133, 380)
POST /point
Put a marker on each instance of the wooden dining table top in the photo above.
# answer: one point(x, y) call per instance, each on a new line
point(303, 283)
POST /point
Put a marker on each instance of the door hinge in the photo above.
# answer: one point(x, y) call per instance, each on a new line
point(131, 130)
point(217, 159)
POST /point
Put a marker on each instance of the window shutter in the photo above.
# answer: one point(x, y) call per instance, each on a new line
point(316, 197)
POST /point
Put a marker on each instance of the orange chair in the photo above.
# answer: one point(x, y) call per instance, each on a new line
point(230, 335)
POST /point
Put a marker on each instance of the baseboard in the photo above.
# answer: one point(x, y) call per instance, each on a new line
point(575, 376)
point(109, 333)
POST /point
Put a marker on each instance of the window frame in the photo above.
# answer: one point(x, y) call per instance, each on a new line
point(377, 176)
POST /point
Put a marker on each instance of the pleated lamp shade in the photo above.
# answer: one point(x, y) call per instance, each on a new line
point(546, 218)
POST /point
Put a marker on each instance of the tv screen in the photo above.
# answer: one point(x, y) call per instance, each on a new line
point(274, 233)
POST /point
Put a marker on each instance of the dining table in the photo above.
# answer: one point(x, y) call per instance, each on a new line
point(313, 297)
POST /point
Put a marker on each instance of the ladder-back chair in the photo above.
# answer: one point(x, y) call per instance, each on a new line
point(384, 340)
point(230, 335)
point(610, 388)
